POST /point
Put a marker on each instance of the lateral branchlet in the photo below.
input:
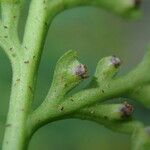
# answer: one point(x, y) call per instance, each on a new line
point(106, 69)
point(107, 112)
point(69, 72)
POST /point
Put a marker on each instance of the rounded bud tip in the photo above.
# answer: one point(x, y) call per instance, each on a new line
point(115, 61)
point(81, 71)
point(127, 110)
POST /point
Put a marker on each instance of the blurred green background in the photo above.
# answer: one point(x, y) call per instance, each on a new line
point(94, 33)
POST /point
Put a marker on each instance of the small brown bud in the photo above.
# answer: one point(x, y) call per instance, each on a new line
point(116, 61)
point(127, 110)
point(81, 70)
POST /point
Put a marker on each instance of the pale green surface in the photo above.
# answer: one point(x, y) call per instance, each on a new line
point(83, 53)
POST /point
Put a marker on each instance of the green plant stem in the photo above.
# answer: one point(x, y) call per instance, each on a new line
point(9, 39)
point(36, 29)
point(122, 86)
point(142, 95)
point(21, 122)
point(20, 106)
point(126, 8)
point(124, 126)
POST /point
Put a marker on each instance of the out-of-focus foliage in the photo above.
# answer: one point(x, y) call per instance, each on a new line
point(94, 34)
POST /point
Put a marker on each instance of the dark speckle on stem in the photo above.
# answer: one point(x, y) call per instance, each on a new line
point(34, 57)
point(8, 125)
point(62, 108)
point(5, 36)
point(46, 24)
point(103, 91)
point(18, 80)
point(5, 27)
point(26, 62)
point(71, 99)
point(11, 49)
point(14, 55)
point(65, 85)
point(30, 88)
point(22, 109)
